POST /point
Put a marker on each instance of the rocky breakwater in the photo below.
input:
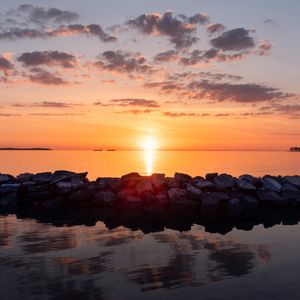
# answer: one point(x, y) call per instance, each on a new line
point(63, 189)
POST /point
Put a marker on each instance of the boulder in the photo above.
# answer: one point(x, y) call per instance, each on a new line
point(77, 183)
point(62, 175)
point(204, 184)
point(286, 187)
point(9, 200)
point(211, 176)
point(181, 180)
point(208, 200)
point(271, 184)
point(170, 182)
point(53, 203)
point(144, 186)
point(249, 178)
point(193, 193)
point(270, 197)
point(64, 186)
point(224, 181)
point(105, 199)
point(162, 199)
point(110, 183)
point(133, 202)
point(290, 195)
point(158, 181)
point(129, 181)
point(177, 195)
point(8, 188)
point(124, 194)
point(222, 196)
point(24, 177)
point(249, 200)
point(44, 177)
point(80, 196)
point(293, 180)
point(244, 185)
point(234, 203)
point(5, 178)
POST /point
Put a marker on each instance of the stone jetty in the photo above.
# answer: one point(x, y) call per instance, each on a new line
point(132, 191)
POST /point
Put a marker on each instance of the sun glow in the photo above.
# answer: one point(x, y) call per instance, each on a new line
point(149, 144)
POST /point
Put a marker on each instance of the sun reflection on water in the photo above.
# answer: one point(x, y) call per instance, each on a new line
point(149, 156)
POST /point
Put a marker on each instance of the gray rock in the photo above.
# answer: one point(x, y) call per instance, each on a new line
point(181, 180)
point(111, 183)
point(76, 183)
point(80, 196)
point(249, 200)
point(249, 178)
point(9, 200)
point(233, 203)
point(211, 176)
point(124, 194)
point(207, 200)
point(158, 181)
point(130, 180)
point(203, 184)
point(177, 195)
point(224, 181)
point(244, 185)
point(133, 202)
point(162, 199)
point(105, 199)
point(271, 184)
point(36, 188)
point(144, 186)
point(44, 177)
point(24, 177)
point(286, 187)
point(62, 175)
point(193, 193)
point(271, 197)
point(222, 196)
point(290, 195)
point(5, 178)
point(64, 186)
point(52, 203)
point(293, 180)
point(7, 188)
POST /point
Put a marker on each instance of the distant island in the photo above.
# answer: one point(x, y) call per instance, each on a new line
point(295, 149)
point(35, 149)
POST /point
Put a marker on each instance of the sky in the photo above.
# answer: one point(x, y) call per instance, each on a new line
point(174, 75)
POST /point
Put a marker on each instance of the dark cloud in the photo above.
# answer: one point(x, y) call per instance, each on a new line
point(42, 14)
point(137, 111)
point(181, 114)
point(181, 33)
point(234, 40)
point(47, 104)
point(46, 78)
point(215, 28)
point(123, 62)
point(198, 19)
point(135, 102)
point(92, 30)
point(166, 56)
point(5, 64)
point(48, 58)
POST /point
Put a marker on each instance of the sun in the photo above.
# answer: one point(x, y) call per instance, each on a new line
point(149, 143)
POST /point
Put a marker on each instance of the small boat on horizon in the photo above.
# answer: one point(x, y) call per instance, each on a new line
point(295, 149)
point(110, 149)
point(98, 150)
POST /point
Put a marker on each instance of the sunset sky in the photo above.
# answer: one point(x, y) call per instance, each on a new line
point(194, 74)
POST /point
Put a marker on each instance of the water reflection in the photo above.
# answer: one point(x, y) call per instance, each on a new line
point(149, 156)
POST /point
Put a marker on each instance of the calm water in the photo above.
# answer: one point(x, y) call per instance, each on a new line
point(144, 258)
point(41, 261)
point(121, 162)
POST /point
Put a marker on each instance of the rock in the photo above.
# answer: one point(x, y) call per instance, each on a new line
point(162, 199)
point(80, 196)
point(271, 184)
point(286, 187)
point(64, 186)
point(211, 176)
point(234, 203)
point(44, 177)
point(222, 196)
point(133, 202)
point(7, 188)
point(244, 185)
point(52, 203)
point(5, 178)
point(105, 199)
point(249, 200)
point(9, 200)
point(177, 195)
point(36, 188)
point(24, 177)
point(249, 178)
point(170, 182)
point(181, 180)
point(290, 195)
point(204, 184)
point(124, 194)
point(207, 200)
point(293, 180)
point(76, 183)
point(271, 197)
point(144, 186)
point(158, 181)
point(130, 180)
point(224, 181)
point(111, 183)
point(62, 175)
point(193, 193)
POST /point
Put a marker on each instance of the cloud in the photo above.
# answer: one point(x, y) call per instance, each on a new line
point(264, 48)
point(56, 114)
point(9, 115)
point(181, 33)
point(166, 56)
point(181, 114)
point(42, 14)
point(215, 28)
point(234, 40)
point(137, 111)
point(5, 64)
point(129, 102)
point(48, 58)
point(92, 30)
point(123, 62)
point(46, 78)
point(47, 104)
